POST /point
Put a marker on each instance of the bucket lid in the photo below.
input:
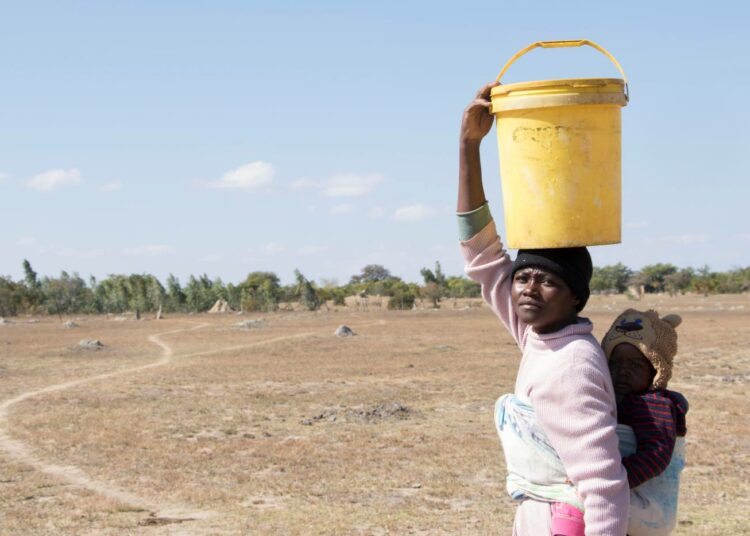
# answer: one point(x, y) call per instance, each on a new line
point(546, 93)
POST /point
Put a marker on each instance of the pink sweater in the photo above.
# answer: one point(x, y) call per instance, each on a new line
point(565, 378)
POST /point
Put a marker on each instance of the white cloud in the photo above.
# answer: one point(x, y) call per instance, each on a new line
point(350, 185)
point(247, 177)
point(346, 208)
point(416, 212)
point(3, 176)
point(49, 180)
point(272, 248)
point(110, 186)
point(25, 241)
point(151, 250)
point(303, 184)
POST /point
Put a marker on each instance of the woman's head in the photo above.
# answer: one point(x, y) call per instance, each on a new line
point(550, 286)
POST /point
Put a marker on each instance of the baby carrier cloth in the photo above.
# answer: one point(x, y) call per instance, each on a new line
point(535, 470)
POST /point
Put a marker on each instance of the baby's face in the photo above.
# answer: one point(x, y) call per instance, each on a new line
point(631, 371)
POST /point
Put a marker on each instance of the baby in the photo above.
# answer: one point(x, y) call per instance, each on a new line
point(640, 348)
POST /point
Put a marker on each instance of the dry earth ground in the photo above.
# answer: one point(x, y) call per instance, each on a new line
point(191, 426)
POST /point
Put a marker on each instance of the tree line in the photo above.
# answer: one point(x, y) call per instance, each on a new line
point(69, 293)
point(665, 277)
point(262, 291)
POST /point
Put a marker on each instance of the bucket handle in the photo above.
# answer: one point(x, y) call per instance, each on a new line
point(565, 44)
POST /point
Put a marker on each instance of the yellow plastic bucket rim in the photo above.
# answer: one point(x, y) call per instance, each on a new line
point(563, 84)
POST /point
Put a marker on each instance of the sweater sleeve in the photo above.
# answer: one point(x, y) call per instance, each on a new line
point(578, 415)
point(652, 417)
point(487, 263)
point(470, 223)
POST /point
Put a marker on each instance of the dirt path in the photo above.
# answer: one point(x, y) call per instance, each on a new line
point(21, 452)
point(160, 513)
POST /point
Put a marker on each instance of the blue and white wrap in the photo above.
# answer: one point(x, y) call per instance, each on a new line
point(535, 470)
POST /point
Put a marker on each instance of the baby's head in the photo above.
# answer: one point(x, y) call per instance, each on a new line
point(640, 348)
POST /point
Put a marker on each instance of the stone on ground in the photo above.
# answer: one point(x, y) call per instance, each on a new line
point(344, 331)
point(91, 344)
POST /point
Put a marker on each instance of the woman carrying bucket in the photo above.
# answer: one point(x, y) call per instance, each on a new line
point(563, 374)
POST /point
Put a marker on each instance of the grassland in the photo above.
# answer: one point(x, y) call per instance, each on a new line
point(193, 425)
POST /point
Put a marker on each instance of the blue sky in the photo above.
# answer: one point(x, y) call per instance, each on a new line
point(228, 137)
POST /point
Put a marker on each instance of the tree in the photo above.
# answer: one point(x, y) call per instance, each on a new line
point(679, 281)
point(329, 290)
point(65, 294)
point(651, 277)
point(234, 296)
point(402, 297)
point(11, 297)
point(33, 287)
point(372, 273)
point(434, 284)
point(175, 298)
point(306, 292)
point(199, 294)
point(612, 278)
point(260, 292)
point(432, 292)
point(112, 295)
point(704, 281)
point(462, 287)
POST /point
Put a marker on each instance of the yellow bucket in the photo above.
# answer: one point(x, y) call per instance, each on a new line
point(559, 144)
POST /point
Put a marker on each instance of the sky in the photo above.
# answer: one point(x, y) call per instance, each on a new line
point(227, 137)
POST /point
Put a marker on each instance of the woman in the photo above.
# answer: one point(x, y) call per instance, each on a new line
point(563, 374)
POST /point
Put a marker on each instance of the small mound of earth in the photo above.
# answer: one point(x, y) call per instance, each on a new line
point(344, 331)
point(249, 324)
point(69, 325)
point(91, 344)
point(373, 414)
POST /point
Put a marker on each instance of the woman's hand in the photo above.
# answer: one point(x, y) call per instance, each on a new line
point(477, 120)
point(476, 123)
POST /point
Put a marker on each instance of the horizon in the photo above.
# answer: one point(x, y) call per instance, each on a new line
point(319, 281)
point(238, 137)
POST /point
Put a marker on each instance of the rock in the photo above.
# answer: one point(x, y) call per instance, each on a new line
point(4, 322)
point(91, 344)
point(249, 324)
point(344, 331)
point(69, 325)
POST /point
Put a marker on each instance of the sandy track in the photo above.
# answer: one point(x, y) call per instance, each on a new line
point(21, 452)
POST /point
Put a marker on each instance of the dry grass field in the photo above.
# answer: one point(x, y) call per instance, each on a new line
point(192, 425)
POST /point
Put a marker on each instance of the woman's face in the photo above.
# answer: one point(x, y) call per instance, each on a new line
point(542, 299)
point(631, 371)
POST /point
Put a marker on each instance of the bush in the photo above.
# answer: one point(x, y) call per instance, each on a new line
point(402, 297)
